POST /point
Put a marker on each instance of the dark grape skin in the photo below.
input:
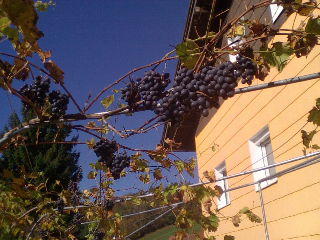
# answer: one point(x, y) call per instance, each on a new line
point(105, 151)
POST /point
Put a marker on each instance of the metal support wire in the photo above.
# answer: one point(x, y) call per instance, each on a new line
point(263, 212)
point(137, 213)
point(237, 174)
point(288, 170)
point(173, 207)
point(278, 83)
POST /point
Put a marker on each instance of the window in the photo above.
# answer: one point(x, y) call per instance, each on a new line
point(261, 156)
point(236, 39)
point(220, 172)
point(275, 11)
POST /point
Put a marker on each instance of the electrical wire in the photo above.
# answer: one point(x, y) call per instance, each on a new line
point(260, 111)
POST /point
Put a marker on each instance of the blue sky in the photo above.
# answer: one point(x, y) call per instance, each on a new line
point(97, 42)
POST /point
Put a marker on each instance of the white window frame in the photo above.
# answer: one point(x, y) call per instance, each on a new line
point(220, 172)
point(275, 11)
point(239, 40)
point(261, 156)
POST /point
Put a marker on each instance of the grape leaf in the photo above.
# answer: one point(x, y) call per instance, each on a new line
point(92, 175)
point(314, 116)
point(23, 15)
point(90, 143)
point(307, 137)
point(157, 174)
point(188, 53)
point(236, 220)
point(244, 210)
point(313, 26)
point(106, 102)
point(277, 55)
point(209, 175)
point(228, 237)
point(179, 166)
point(55, 71)
point(41, 6)
point(318, 103)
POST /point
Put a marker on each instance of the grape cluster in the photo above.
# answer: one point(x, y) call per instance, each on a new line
point(105, 151)
point(246, 69)
point(59, 104)
point(77, 218)
point(60, 205)
point(75, 193)
point(97, 235)
point(120, 162)
point(108, 204)
point(36, 92)
point(150, 88)
point(43, 234)
point(200, 91)
point(130, 93)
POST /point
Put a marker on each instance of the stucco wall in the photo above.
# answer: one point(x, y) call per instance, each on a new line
point(292, 204)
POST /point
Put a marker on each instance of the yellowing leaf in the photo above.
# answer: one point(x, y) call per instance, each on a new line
point(90, 144)
point(106, 102)
point(218, 191)
point(157, 174)
point(188, 53)
point(55, 71)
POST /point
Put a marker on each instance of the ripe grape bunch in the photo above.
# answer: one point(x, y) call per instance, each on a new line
point(130, 93)
point(201, 91)
point(37, 91)
point(150, 88)
point(77, 218)
point(75, 193)
point(60, 205)
point(246, 69)
point(97, 235)
point(120, 162)
point(59, 104)
point(108, 204)
point(43, 234)
point(105, 151)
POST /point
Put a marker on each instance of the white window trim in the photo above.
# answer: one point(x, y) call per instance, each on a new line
point(258, 160)
point(219, 171)
point(275, 11)
point(239, 40)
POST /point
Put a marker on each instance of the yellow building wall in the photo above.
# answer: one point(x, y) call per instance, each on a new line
point(292, 204)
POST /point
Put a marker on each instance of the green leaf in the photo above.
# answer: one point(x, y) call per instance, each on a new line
point(307, 137)
point(41, 6)
point(179, 165)
point(318, 103)
point(136, 201)
point(23, 15)
point(90, 143)
point(278, 55)
point(314, 116)
point(313, 26)
point(106, 102)
point(145, 178)
point(244, 210)
point(228, 237)
point(92, 175)
point(188, 53)
point(157, 174)
point(172, 188)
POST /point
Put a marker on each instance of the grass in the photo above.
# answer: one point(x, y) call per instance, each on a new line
point(165, 233)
